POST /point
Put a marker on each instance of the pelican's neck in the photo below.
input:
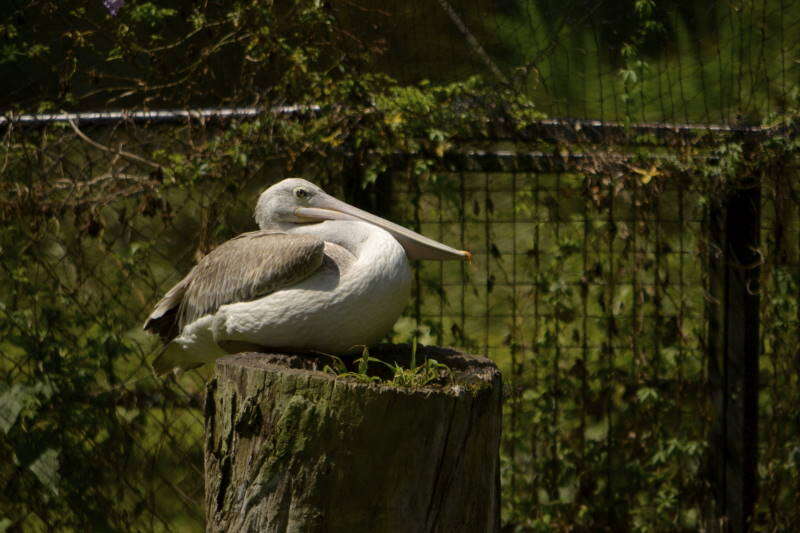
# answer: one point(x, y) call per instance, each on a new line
point(280, 227)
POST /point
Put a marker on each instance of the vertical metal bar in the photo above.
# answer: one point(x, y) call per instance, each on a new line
point(733, 352)
point(515, 367)
point(417, 196)
point(636, 289)
point(555, 378)
point(657, 296)
point(585, 283)
point(462, 227)
point(536, 351)
point(442, 284)
point(608, 353)
point(487, 221)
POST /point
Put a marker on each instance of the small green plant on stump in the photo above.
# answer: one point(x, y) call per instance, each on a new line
point(415, 376)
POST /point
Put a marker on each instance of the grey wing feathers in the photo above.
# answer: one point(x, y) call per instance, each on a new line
point(244, 268)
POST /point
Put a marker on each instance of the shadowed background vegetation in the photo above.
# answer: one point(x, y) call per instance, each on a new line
point(589, 285)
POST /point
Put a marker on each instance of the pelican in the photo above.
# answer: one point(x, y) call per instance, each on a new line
point(319, 275)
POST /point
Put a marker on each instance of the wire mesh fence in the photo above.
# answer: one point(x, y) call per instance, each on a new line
point(589, 287)
point(729, 62)
point(590, 297)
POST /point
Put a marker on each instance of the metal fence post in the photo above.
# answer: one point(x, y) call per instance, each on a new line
point(733, 350)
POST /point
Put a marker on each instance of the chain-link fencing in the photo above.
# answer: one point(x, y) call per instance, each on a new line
point(590, 287)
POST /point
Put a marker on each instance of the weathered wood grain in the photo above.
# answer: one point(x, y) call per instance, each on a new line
point(291, 448)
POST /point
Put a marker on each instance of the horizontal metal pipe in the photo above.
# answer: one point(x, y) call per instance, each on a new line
point(160, 115)
point(181, 115)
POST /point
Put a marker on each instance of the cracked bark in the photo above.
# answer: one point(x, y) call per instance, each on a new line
point(291, 448)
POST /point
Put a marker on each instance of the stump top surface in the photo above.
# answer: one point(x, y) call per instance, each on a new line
point(467, 370)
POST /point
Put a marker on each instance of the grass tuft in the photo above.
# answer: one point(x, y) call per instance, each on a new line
point(413, 377)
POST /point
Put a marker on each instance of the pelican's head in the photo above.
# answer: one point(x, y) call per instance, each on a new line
point(277, 205)
point(297, 201)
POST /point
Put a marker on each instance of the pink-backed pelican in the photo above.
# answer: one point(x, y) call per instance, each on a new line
point(319, 275)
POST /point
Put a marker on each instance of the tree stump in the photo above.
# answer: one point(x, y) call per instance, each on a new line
point(290, 447)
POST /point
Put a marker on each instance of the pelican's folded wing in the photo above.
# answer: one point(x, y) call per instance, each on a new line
point(244, 268)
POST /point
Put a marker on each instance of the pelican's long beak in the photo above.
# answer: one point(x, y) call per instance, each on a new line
point(326, 207)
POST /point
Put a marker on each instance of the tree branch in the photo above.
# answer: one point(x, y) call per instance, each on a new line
point(127, 155)
point(473, 42)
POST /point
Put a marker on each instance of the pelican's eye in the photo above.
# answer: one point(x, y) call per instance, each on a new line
point(302, 194)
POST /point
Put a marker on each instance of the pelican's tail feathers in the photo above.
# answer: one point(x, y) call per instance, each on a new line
point(173, 358)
